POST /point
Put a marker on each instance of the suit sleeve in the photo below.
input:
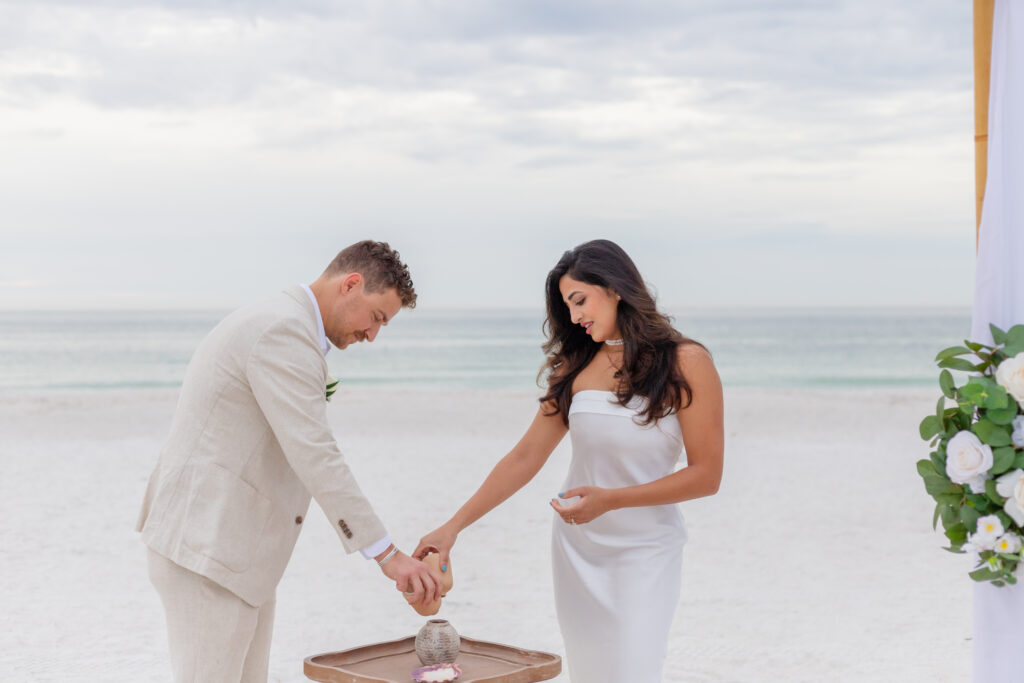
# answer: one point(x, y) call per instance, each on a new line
point(287, 381)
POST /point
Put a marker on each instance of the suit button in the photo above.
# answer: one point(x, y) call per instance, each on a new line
point(298, 520)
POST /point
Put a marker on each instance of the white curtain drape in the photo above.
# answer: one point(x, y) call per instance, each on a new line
point(999, 299)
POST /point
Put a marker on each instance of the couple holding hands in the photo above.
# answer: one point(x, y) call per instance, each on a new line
point(250, 444)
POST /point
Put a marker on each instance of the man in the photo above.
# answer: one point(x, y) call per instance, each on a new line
point(248, 445)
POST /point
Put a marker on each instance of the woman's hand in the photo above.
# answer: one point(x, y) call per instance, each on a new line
point(440, 539)
point(593, 502)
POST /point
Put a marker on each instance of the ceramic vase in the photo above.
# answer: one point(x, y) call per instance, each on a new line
point(437, 642)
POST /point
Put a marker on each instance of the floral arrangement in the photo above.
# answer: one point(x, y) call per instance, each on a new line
point(332, 386)
point(975, 471)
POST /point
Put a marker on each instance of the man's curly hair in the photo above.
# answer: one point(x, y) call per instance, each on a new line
point(380, 266)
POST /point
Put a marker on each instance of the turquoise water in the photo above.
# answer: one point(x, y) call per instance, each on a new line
point(487, 350)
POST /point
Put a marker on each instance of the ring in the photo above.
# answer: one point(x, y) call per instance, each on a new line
point(572, 520)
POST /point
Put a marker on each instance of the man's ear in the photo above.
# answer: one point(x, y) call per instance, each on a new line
point(350, 282)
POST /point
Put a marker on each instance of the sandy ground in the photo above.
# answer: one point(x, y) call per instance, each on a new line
point(815, 562)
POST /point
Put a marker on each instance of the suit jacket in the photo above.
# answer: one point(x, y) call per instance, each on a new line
point(248, 445)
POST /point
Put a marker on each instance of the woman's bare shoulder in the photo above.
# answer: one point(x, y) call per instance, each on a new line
point(694, 356)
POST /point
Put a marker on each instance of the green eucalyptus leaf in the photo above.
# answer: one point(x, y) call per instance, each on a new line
point(1003, 416)
point(929, 427)
point(1015, 336)
point(975, 392)
point(958, 364)
point(986, 574)
point(997, 398)
point(950, 515)
point(992, 434)
point(947, 384)
point(1018, 461)
point(926, 468)
point(953, 498)
point(936, 484)
point(998, 336)
point(957, 534)
point(951, 352)
point(993, 495)
point(1002, 460)
point(1005, 519)
point(979, 502)
point(935, 516)
point(969, 516)
point(938, 460)
point(1013, 348)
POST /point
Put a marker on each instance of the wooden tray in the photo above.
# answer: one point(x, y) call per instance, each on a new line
point(393, 662)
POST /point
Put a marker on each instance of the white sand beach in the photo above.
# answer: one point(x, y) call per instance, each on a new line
point(815, 562)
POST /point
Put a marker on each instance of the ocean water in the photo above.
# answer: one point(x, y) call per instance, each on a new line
point(487, 350)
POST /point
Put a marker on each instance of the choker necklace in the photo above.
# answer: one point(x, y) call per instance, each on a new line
point(614, 342)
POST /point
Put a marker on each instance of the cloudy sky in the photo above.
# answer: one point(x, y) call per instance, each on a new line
point(745, 153)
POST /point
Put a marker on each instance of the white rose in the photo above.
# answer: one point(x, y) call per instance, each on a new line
point(1011, 487)
point(1008, 543)
point(989, 529)
point(1010, 376)
point(968, 461)
point(1018, 431)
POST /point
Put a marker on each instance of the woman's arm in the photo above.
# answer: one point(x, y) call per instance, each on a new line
point(704, 439)
point(508, 476)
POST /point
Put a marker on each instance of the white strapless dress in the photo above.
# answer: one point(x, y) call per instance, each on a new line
point(617, 579)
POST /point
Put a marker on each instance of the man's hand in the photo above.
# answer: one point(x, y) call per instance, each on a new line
point(413, 576)
point(441, 540)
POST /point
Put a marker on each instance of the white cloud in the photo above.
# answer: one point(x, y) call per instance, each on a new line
point(193, 147)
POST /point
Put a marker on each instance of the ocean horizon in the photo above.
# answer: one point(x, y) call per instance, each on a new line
point(491, 350)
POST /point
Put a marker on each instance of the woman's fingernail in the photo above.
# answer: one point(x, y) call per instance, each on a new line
point(444, 568)
point(561, 495)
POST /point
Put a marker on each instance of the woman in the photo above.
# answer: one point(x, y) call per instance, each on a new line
point(631, 391)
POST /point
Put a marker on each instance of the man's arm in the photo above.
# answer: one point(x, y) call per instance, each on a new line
point(289, 389)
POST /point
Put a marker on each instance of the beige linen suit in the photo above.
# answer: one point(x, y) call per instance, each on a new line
point(248, 445)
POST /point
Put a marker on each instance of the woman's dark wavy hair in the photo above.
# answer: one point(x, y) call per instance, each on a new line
point(650, 360)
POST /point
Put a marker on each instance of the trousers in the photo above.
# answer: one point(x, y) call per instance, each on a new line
point(214, 635)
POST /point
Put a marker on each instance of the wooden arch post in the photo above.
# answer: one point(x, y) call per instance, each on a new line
point(983, 12)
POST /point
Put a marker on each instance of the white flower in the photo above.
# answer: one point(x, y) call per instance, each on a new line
point(974, 545)
point(968, 461)
point(1008, 543)
point(989, 529)
point(1010, 376)
point(1011, 487)
point(1018, 431)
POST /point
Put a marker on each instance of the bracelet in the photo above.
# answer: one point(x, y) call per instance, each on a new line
point(382, 561)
